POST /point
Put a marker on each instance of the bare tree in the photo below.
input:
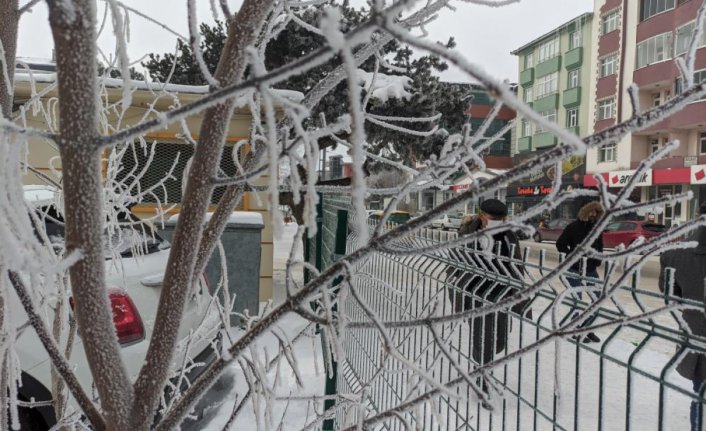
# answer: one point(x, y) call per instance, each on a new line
point(278, 136)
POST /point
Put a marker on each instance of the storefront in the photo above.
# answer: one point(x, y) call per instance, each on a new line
point(527, 193)
point(657, 183)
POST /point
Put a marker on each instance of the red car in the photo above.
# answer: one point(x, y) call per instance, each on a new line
point(625, 232)
point(551, 230)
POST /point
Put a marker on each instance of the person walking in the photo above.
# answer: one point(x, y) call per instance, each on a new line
point(569, 240)
point(471, 290)
point(689, 265)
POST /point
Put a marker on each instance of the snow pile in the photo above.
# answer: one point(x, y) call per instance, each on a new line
point(385, 87)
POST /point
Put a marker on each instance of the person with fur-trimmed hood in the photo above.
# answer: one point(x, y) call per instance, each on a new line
point(569, 240)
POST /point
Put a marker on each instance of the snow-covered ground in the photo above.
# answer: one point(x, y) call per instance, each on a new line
point(232, 387)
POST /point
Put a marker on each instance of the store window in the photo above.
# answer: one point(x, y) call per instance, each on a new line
point(702, 142)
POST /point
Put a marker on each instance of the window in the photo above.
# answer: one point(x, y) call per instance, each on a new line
point(702, 142)
point(654, 49)
point(548, 50)
point(547, 115)
point(529, 60)
point(572, 117)
point(649, 8)
point(574, 39)
point(609, 65)
point(546, 84)
point(654, 145)
point(574, 78)
point(656, 99)
point(528, 94)
point(699, 76)
point(526, 128)
point(607, 153)
point(684, 34)
point(606, 109)
point(610, 22)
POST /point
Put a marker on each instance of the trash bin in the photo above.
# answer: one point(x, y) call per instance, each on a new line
point(241, 243)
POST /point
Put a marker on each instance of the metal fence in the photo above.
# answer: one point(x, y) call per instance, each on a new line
point(627, 381)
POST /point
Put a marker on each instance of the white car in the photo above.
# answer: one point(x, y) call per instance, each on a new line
point(448, 221)
point(134, 290)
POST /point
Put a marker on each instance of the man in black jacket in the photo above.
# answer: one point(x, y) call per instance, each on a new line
point(690, 271)
point(569, 240)
point(470, 290)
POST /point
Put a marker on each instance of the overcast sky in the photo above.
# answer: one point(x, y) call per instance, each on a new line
point(484, 35)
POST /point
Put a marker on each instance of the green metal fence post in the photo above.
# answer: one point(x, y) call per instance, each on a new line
point(339, 251)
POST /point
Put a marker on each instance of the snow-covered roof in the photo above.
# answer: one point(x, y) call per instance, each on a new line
point(22, 75)
point(237, 217)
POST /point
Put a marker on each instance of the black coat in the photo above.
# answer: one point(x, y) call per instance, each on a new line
point(690, 272)
point(489, 330)
point(574, 233)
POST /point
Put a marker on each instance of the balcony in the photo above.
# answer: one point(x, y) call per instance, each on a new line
point(527, 76)
point(546, 103)
point(572, 97)
point(573, 58)
point(575, 130)
point(689, 118)
point(544, 140)
point(524, 144)
point(548, 66)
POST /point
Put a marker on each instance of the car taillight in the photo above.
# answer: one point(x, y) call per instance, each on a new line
point(126, 318)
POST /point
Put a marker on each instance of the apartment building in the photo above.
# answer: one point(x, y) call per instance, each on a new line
point(637, 42)
point(554, 78)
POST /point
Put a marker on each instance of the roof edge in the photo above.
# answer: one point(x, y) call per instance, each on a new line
point(551, 32)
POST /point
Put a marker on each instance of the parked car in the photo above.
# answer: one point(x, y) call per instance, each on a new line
point(625, 232)
point(134, 287)
point(551, 230)
point(448, 221)
point(396, 217)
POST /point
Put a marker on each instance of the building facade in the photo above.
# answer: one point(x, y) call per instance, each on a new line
point(638, 42)
point(555, 79)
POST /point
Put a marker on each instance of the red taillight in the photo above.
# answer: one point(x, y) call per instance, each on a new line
point(126, 318)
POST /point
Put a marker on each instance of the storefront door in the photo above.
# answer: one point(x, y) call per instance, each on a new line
point(670, 214)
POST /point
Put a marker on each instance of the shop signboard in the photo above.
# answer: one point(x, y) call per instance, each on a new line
point(690, 161)
point(698, 174)
point(621, 178)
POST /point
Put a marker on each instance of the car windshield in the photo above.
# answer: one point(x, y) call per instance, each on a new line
point(125, 241)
